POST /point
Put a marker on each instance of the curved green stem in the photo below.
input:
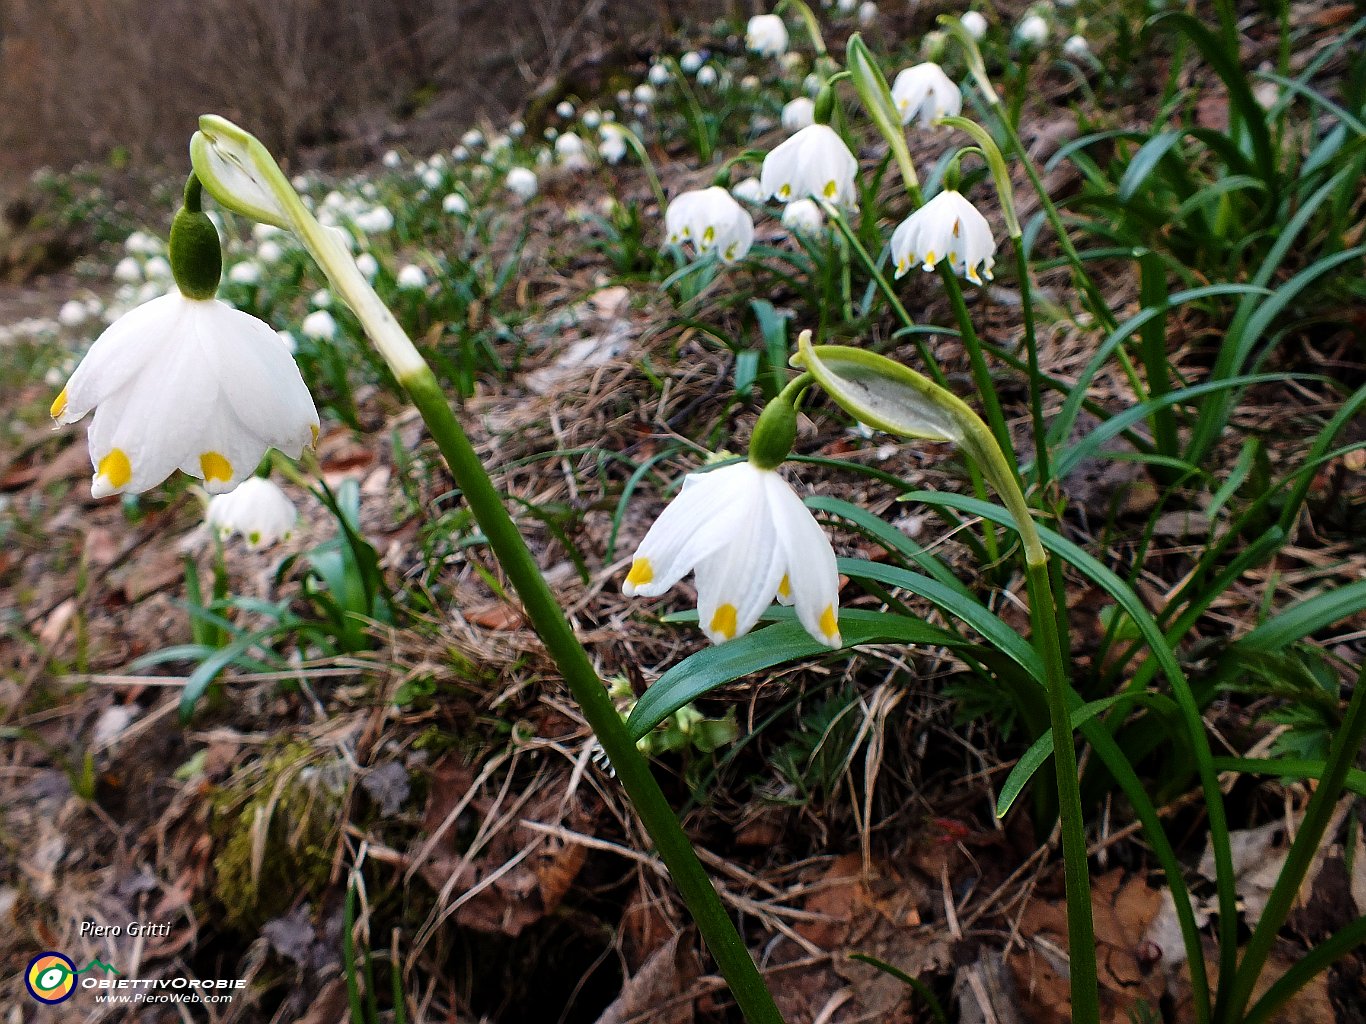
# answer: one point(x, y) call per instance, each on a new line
point(242, 175)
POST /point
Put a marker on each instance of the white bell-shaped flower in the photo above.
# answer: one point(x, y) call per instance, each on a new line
point(803, 217)
point(748, 538)
point(748, 190)
point(974, 24)
point(711, 221)
point(256, 509)
point(925, 90)
point(189, 384)
point(411, 278)
point(815, 162)
point(454, 203)
point(1032, 30)
point(612, 145)
point(947, 227)
point(522, 182)
point(799, 113)
point(766, 35)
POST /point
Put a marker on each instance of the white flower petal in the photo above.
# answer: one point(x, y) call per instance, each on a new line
point(809, 563)
point(736, 584)
point(119, 354)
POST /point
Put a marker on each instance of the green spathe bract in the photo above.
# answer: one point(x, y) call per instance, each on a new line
point(774, 434)
point(195, 253)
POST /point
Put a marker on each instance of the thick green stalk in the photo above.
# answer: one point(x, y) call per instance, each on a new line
point(1341, 755)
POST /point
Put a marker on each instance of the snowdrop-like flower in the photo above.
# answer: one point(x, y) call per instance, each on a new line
point(270, 251)
point(751, 83)
point(799, 113)
point(612, 146)
point(392, 160)
point(711, 220)
point(1032, 30)
point(815, 162)
point(72, 314)
point(974, 24)
point(472, 139)
point(256, 510)
point(460, 154)
point(803, 217)
point(521, 182)
point(706, 75)
point(748, 190)
point(455, 203)
point(565, 109)
point(947, 227)
point(158, 268)
point(690, 62)
point(321, 299)
point(245, 272)
point(592, 118)
point(867, 13)
point(319, 325)
point(128, 271)
point(658, 75)
point(374, 221)
point(288, 340)
point(747, 536)
point(568, 146)
point(411, 278)
point(368, 265)
point(191, 384)
point(766, 35)
point(1076, 47)
point(926, 91)
point(432, 178)
point(644, 93)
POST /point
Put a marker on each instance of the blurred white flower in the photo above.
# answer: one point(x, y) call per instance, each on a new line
point(374, 221)
point(191, 384)
point(748, 191)
point(269, 251)
point(710, 220)
point(368, 265)
point(261, 231)
point(706, 75)
point(455, 203)
point(791, 61)
point(751, 83)
point(612, 146)
point(812, 84)
point(591, 118)
point(643, 93)
point(128, 270)
point(748, 538)
point(799, 113)
point(766, 35)
point(321, 299)
point(690, 62)
point(140, 243)
point(947, 227)
point(659, 74)
point(411, 278)
point(521, 181)
point(432, 178)
point(392, 160)
point(72, 314)
point(1267, 94)
point(158, 268)
point(460, 153)
point(846, 6)
point(1076, 47)
point(288, 340)
point(564, 109)
point(974, 24)
point(815, 162)
point(472, 139)
point(256, 509)
point(1032, 30)
point(926, 91)
point(517, 129)
point(867, 13)
point(567, 145)
point(245, 272)
point(803, 217)
point(320, 325)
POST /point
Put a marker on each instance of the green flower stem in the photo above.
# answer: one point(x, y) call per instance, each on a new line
point(1043, 472)
point(1342, 754)
point(980, 374)
point(717, 929)
point(638, 147)
point(240, 173)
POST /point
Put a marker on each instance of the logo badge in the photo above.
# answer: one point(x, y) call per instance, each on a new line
point(50, 978)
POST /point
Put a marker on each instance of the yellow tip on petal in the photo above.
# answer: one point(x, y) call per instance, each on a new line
point(642, 572)
point(830, 625)
point(830, 189)
point(115, 468)
point(215, 467)
point(58, 405)
point(784, 191)
point(723, 621)
point(314, 428)
point(785, 586)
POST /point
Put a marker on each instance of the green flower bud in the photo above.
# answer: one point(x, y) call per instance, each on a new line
point(774, 434)
point(196, 256)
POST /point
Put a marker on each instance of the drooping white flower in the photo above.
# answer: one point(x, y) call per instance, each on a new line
point(803, 217)
point(472, 139)
point(411, 278)
point(392, 160)
point(189, 384)
point(690, 62)
point(245, 272)
point(644, 93)
point(592, 118)
point(517, 129)
point(1076, 47)
point(751, 83)
point(158, 268)
point(710, 220)
point(455, 203)
point(321, 299)
point(766, 35)
point(974, 24)
point(319, 325)
point(288, 340)
point(799, 113)
point(432, 178)
point(845, 6)
point(867, 13)
point(1032, 30)
point(568, 146)
point(748, 538)
point(374, 221)
point(368, 265)
point(815, 162)
point(947, 227)
point(460, 153)
point(521, 182)
point(925, 90)
point(612, 145)
point(659, 74)
point(128, 271)
point(748, 190)
point(706, 76)
point(72, 314)
point(270, 251)
point(564, 109)
point(256, 509)
point(140, 243)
